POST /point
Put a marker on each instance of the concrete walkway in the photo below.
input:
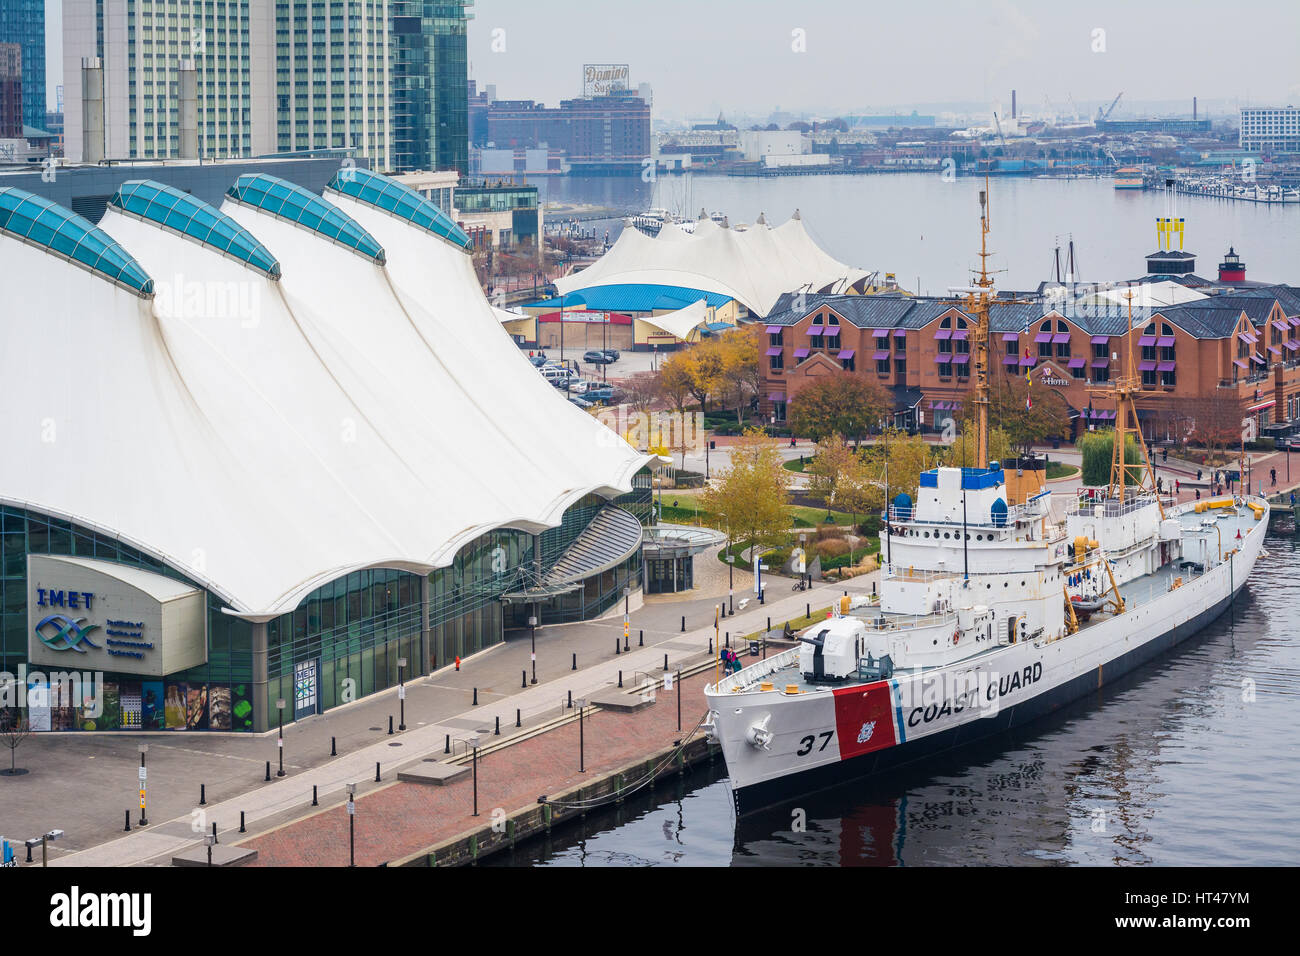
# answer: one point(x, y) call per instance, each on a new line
point(435, 707)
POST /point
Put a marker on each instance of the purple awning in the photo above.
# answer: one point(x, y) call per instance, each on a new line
point(832, 330)
point(900, 333)
point(776, 397)
point(1076, 363)
point(1100, 363)
point(960, 335)
point(943, 334)
point(1043, 337)
point(961, 359)
point(801, 353)
point(1275, 350)
point(1026, 361)
point(814, 330)
point(1279, 325)
point(1060, 338)
point(1010, 336)
point(939, 406)
point(879, 356)
point(1256, 359)
point(1146, 367)
point(1010, 360)
point(774, 329)
point(1292, 346)
point(1239, 363)
point(881, 333)
point(943, 357)
point(1100, 339)
point(773, 351)
point(1165, 341)
point(1165, 367)
point(1147, 340)
point(848, 354)
point(1293, 319)
point(1247, 337)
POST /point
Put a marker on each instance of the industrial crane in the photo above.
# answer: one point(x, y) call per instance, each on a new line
point(998, 124)
point(1103, 115)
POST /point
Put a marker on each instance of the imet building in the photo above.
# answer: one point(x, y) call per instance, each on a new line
point(266, 451)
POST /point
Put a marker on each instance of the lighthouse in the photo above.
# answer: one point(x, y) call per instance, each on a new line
point(1232, 269)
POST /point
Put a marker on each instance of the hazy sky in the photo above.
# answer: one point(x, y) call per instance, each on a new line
point(702, 55)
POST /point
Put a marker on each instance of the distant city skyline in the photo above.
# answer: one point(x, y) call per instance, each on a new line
point(701, 59)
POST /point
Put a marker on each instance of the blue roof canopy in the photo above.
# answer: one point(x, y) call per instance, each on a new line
point(36, 220)
point(633, 297)
point(290, 202)
point(183, 214)
point(397, 199)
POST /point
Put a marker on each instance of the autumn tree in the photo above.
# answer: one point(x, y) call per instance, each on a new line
point(742, 373)
point(906, 456)
point(1028, 414)
point(842, 403)
point(829, 468)
point(642, 390)
point(675, 386)
point(705, 362)
point(749, 498)
point(962, 453)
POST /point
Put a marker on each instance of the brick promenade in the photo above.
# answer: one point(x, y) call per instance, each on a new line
point(404, 818)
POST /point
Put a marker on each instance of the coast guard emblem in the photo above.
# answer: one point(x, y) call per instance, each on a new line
point(865, 733)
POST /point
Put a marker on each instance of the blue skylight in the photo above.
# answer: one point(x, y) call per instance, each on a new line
point(182, 213)
point(397, 199)
point(36, 220)
point(302, 208)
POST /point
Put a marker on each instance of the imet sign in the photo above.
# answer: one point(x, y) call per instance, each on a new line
point(111, 617)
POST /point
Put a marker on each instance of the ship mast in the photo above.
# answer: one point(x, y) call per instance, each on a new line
point(1124, 389)
point(978, 306)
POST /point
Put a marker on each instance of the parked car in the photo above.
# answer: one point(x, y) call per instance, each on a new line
point(539, 359)
point(599, 391)
point(580, 402)
point(596, 357)
point(613, 354)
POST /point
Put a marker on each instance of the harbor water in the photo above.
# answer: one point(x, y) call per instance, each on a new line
point(1190, 760)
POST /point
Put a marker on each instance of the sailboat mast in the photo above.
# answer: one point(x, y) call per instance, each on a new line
point(980, 308)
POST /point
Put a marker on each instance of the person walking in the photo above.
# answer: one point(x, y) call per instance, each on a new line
point(1272, 472)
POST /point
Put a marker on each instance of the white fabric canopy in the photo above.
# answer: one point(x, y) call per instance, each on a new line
point(267, 437)
point(754, 266)
point(682, 322)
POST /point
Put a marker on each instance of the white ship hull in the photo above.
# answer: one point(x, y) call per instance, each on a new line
point(854, 730)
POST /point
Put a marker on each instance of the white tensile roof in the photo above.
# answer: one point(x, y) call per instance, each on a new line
point(754, 266)
point(682, 322)
point(1146, 295)
point(279, 434)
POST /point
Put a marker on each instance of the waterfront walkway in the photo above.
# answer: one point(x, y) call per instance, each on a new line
point(233, 766)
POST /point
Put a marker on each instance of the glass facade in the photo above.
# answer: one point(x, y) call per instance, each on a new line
point(397, 199)
point(341, 643)
point(23, 22)
point(296, 205)
point(430, 85)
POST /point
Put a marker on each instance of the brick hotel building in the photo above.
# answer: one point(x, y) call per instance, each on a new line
point(1228, 340)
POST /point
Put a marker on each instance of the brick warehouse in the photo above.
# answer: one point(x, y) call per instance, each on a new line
point(1224, 348)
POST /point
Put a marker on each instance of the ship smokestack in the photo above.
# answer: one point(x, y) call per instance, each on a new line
point(92, 109)
point(1013, 104)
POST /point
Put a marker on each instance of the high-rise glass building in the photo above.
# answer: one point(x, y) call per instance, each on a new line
point(430, 85)
point(23, 22)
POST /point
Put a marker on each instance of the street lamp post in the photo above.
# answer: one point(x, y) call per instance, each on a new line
point(532, 637)
point(401, 692)
point(582, 760)
point(279, 743)
point(144, 820)
point(473, 742)
point(209, 839)
point(352, 823)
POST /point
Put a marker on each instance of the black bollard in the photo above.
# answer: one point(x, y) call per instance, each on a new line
point(575, 662)
point(524, 680)
point(127, 828)
point(665, 662)
point(726, 638)
point(807, 610)
point(761, 595)
point(268, 770)
point(497, 732)
point(710, 646)
point(241, 821)
point(519, 717)
point(390, 725)
point(618, 647)
point(769, 624)
point(377, 777)
point(683, 623)
point(447, 746)
point(475, 698)
point(203, 794)
point(570, 700)
point(334, 750)
point(620, 678)
point(214, 833)
point(314, 801)
point(641, 639)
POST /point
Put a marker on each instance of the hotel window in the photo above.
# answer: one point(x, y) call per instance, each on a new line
point(900, 366)
point(1101, 374)
point(776, 339)
point(1044, 340)
point(776, 361)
